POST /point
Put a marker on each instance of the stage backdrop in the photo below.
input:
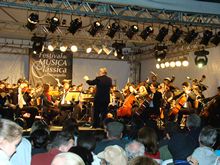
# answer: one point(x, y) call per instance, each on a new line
point(50, 67)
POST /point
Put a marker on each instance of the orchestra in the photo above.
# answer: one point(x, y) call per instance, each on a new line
point(149, 100)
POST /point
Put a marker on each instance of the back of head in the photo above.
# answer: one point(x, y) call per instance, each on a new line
point(134, 149)
point(61, 138)
point(40, 138)
point(193, 121)
point(143, 160)
point(84, 153)
point(208, 136)
point(115, 129)
point(67, 158)
point(87, 141)
point(9, 130)
point(148, 137)
point(39, 124)
point(71, 125)
point(103, 71)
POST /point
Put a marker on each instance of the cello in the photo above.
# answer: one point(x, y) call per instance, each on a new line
point(181, 101)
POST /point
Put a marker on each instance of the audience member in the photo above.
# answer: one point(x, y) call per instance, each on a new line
point(148, 137)
point(23, 153)
point(134, 149)
point(114, 137)
point(67, 158)
point(39, 139)
point(62, 142)
point(84, 153)
point(142, 160)
point(88, 141)
point(71, 125)
point(181, 145)
point(10, 137)
point(205, 154)
point(113, 155)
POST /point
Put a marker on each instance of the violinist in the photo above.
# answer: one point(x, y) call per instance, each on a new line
point(20, 102)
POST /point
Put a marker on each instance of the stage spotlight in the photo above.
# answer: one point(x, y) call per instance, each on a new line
point(162, 65)
point(172, 64)
point(51, 47)
point(106, 50)
point(176, 35)
point(160, 52)
point(96, 26)
point(63, 48)
point(132, 31)
point(74, 26)
point(158, 66)
point(167, 64)
point(185, 63)
point(146, 32)
point(88, 50)
point(97, 50)
point(201, 58)
point(191, 36)
point(216, 39)
point(162, 33)
point(207, 35)
point(74, 48)
point(178, 63)
point(113, 29)
point(54, 22)
point(33, 19)
point(38, 44)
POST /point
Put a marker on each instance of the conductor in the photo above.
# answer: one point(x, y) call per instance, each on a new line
point(102, 96)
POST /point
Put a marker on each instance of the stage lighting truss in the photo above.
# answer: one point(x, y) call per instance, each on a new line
point(96, 26)
point(113, 29)
point(97, 49)
point(54, 22)
point(132, 31)
point(173, 62)
point(201, 58)
point(75, 25)
point(32, 21)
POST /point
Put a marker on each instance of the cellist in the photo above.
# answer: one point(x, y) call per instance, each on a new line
point(185, 102)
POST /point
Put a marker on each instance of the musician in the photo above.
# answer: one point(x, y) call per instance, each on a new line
point(49, 106)
point(20, 102)
point(189, 104)
point(102, 96)
point(156, 98)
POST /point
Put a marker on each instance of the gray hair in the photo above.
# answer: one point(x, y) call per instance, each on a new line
point(10, 130)
point(193, 121)
point(67, 158)
point(208, 136)
point(134, 149)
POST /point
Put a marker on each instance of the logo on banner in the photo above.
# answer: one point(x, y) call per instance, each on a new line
point(48, 67)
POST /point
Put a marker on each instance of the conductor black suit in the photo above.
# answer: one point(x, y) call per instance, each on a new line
point(102, 97)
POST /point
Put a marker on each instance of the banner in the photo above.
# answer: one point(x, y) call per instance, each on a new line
point(50, 67)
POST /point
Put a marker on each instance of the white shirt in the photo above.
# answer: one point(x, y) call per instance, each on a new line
point(4, 159)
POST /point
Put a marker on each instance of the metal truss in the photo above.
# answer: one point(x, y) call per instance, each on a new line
point(118, 12)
